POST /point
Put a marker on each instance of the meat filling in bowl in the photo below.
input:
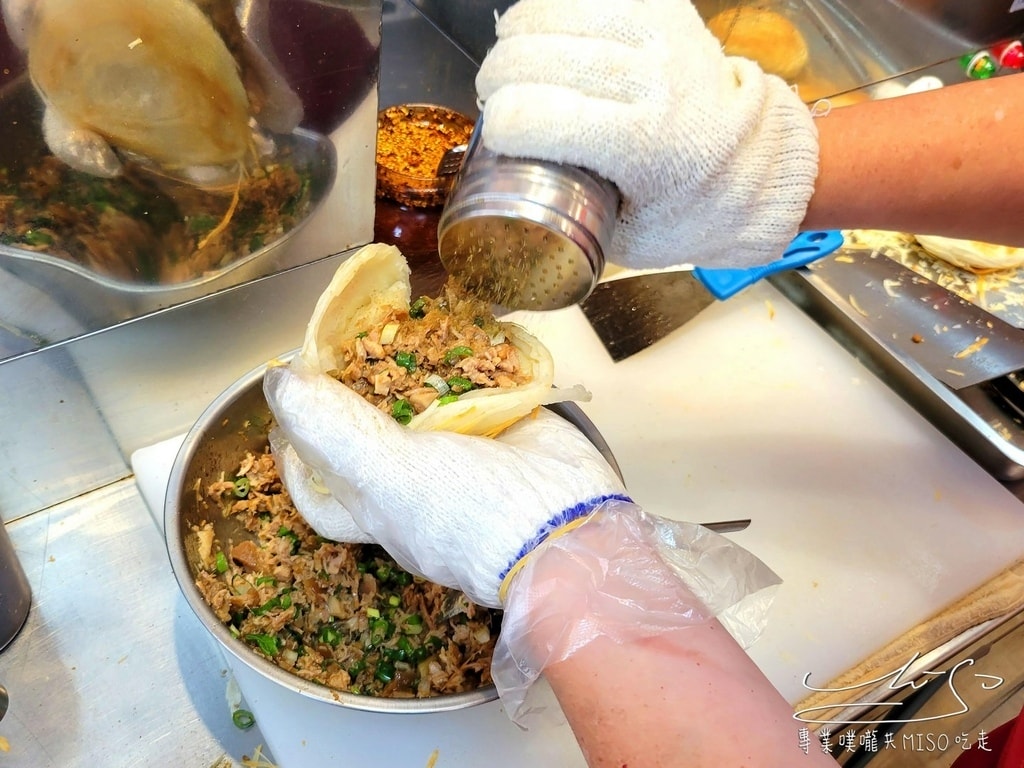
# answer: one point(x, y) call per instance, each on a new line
point(342, 615)
point(440, 349)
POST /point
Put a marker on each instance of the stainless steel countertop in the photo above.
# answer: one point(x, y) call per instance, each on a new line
point(111, 668)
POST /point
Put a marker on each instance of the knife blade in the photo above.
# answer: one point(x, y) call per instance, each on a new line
point(632, 313)
point(727, 526)
point(953, 340)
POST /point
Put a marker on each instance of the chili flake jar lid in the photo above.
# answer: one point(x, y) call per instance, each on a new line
point(411, 140)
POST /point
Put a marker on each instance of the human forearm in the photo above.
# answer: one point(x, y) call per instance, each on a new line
point(643, 673)
point(688, 698)
point(944, 162)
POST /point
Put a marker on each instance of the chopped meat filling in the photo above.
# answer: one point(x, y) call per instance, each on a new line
point(342, 615)
point(436, 351)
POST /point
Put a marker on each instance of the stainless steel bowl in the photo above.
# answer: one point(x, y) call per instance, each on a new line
point(236, 422)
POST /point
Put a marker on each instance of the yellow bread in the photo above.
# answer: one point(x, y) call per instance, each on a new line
point(972, 255)
point(767, 37)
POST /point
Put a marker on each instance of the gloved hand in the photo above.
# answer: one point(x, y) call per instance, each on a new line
point(468, 512)
point(311, 497)
point(461, 511)
point(715, 160)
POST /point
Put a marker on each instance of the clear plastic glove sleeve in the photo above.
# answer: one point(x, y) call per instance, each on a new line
point(632, 576)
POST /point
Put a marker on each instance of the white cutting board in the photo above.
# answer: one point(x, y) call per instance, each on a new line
point(873, 518)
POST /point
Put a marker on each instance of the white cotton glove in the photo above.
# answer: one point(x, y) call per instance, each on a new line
point(715, 160)
point(311, 497)
point(459, 510)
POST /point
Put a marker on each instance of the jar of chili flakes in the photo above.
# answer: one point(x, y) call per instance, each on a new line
point(411, 140)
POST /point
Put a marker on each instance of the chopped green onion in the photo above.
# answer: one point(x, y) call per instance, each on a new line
point(384, 572)
point(361, 335)
point(35, 237)
point(287, 533)
point(406, 360)
point(271, 604)
point(385, 671)
point(418, 308)
point(402, 411)
point(221, 562)
point(478, 321)
point(459, 384)
point(394, 601)
point(266, 643)
point(243, 718)
point(241, 489)
point(380, 630)
point(362, 567)
point(201, 223)
point(447, 399)
point(402, 579)
point(453, 355)
point(412, 625)
point(373, 613)
point(329, 634)
point(260, 581)
point(435, 381)
point(388, 333)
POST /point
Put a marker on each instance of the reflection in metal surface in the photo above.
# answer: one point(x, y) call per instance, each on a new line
point(179, 220)
point(74, 410)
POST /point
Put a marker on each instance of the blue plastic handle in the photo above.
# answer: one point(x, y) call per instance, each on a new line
point(804, 248)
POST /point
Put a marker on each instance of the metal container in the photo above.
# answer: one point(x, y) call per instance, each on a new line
point(284, 705)
point(526, 234)
point(15, 593)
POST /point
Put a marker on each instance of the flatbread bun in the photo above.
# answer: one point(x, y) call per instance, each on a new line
point(372, 283)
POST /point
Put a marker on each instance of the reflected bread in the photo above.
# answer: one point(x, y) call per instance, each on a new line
point(767, 37)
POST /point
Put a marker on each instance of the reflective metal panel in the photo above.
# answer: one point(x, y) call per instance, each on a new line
point(194, 145)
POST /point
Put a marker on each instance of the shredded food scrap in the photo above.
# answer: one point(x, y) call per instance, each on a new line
point(971, 348)
point(342, 615)
point(440, 349)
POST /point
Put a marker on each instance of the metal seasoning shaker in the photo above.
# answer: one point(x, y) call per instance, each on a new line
point(526, 234)
point(15, 594)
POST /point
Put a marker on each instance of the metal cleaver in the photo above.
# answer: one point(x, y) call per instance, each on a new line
point(632, 313)
point(953, 340)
